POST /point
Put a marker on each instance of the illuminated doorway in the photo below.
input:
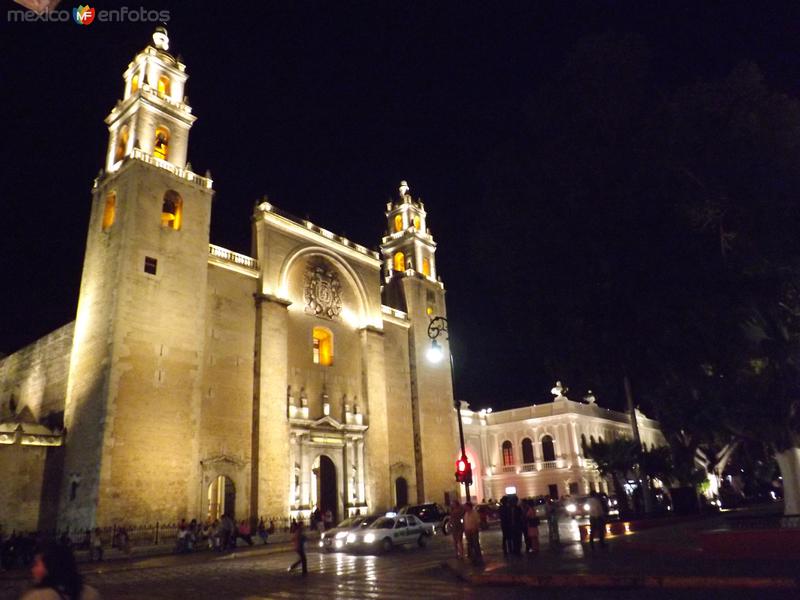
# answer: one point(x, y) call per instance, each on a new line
point(221, 498)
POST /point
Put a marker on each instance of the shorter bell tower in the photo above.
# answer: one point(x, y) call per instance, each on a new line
point(153, 117)
point(408, 247)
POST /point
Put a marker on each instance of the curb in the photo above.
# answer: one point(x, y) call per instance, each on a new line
point(141, 563)
point(626, 581)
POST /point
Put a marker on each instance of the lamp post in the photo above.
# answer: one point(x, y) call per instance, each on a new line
point(435, 353)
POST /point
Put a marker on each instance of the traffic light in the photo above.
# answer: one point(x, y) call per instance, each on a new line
point(463, 471)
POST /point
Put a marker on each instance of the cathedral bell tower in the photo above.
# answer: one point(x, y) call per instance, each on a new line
point(408, 247)
point(412, 286)
point(133, 391)
point(153, 118)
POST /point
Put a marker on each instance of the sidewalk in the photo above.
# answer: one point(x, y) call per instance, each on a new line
point(666, 557)
point(161, 556)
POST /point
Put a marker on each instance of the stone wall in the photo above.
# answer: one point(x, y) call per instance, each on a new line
point(227, 405)
point(22, 474)
point(36, 375)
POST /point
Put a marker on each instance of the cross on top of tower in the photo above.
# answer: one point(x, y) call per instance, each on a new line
point(403, 188)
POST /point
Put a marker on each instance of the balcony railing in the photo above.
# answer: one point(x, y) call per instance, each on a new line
point(528, 467)
point(186, 174)
point(508, 469)
point(549, 464)
point(225, 257)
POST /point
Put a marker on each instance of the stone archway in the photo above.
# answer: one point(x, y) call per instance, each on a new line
point(400, 492)
point(221, 498)
point(327, 487)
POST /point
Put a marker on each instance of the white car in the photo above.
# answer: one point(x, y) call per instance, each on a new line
point(390, 531)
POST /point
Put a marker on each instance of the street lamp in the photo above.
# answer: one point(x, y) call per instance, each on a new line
point(435, 353)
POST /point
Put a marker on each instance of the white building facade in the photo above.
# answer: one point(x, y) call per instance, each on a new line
point(537, 450)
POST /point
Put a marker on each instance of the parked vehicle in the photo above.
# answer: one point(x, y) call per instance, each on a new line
point(431, 513)
point(490, 514)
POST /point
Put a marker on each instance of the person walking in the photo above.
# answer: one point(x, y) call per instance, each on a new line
point(56, 577)
point(597, 520)
point(299, 541)
point(457, 527)
point(472, 529)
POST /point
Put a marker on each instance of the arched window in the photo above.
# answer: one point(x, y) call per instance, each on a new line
point(322, 346)
point(122, 143)
point(134, 84)
point(109, 211)
point(399, 261)
point(527, 451)
point(172, 210)
point(426, 267)
point(163, 86)
point(508, 454)
point(161, 144)
point(416, 222)
point(548, 450)
point(398, 222)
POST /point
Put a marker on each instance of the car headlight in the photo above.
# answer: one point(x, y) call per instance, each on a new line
point(340, 535)
point(369, 538)
point(339, 543)
point(586, 507)
point(351, 538)
point(571, 508)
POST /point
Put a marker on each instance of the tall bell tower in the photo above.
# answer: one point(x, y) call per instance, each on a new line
point(411, 285)
point(134, 388)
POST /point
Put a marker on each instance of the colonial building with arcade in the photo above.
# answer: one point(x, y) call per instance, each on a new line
point(195, 380)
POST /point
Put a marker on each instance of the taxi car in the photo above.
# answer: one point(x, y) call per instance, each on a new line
point(390, 531)
point(333, 540)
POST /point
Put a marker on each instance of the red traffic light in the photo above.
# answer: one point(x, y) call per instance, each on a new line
point(461, 465)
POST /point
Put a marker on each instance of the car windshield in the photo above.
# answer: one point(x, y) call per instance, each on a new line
point(365, 521)
point(347, 523)
point(383, 523)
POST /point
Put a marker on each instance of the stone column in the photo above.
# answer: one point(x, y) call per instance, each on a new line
point(270, 425)
point(377, 436)
point(361, 493)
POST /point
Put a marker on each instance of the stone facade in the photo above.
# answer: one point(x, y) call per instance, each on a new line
point(196, 380)
point(543, 454)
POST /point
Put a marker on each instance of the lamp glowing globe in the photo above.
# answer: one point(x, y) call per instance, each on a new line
point(435, 353)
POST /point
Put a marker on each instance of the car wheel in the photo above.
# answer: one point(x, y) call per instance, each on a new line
point(422, 541)
point(447, 527)
point(386, 545)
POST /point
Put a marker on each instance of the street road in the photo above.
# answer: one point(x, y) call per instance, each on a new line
point(406, 573)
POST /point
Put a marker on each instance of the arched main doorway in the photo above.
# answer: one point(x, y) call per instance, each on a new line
point(327, 489)
point(401, 492)
point(221, 498)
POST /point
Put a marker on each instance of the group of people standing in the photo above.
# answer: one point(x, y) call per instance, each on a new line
point(518, 521)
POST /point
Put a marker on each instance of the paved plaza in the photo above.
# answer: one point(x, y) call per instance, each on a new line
point(406, 573)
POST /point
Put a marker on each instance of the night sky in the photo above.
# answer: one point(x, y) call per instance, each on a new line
point(325, 107)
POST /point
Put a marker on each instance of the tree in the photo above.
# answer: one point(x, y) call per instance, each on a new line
point(614, 459)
